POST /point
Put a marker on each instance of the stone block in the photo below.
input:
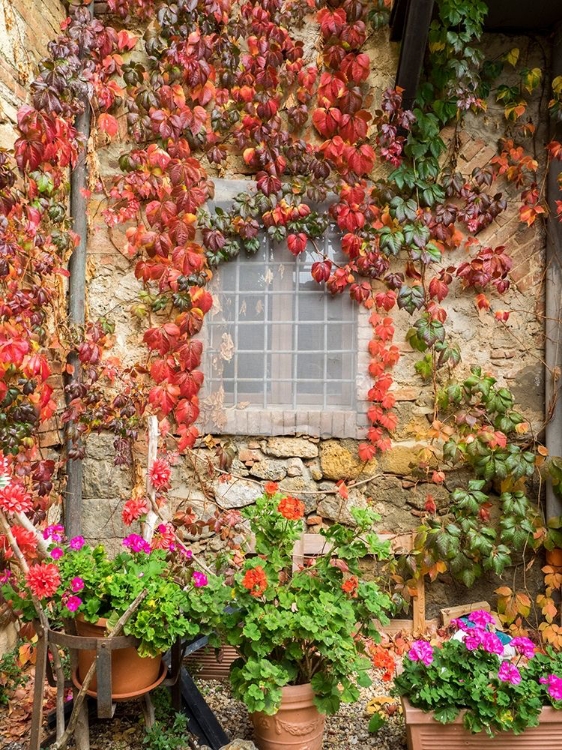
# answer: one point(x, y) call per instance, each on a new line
point(401, 459)
point(339, 460)
point(337, 508)
point(103, 479)
point(295, 467)
point(248, 456)
point(418, 495)
point(236, 494)
point(101, 519)
point(281, 447)
point(299, 487)
point(269, 469)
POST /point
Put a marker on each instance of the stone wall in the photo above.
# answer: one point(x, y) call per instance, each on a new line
point(25, 29)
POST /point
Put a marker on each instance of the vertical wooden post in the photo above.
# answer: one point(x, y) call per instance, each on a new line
point(151, 518)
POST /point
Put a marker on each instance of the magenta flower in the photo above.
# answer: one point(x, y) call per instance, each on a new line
point(481, 618)
point(77, 542)
point(199, 579)
point(136, 543)
point(5, 575)
point(461, 625)
point(492, 644)
point(55, 532)
point(77, 584)
point(56, 553)
point(524, 646)
point(474, 638)
point(554, 686)
point(508, 672)
point(73, 602)
point(421, 651)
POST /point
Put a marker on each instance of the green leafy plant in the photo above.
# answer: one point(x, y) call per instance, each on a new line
point(496, 688)
point(169, 731)
point(298, 626)
point(12, 675)
point(86, 582)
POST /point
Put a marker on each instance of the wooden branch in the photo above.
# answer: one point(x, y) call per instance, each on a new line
point(42, 544)
point(152, 515)
point(62, 742)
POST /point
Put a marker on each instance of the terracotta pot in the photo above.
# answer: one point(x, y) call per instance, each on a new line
point(298, 725)
point(130, 673)
point(554, 557)
point(424, 733)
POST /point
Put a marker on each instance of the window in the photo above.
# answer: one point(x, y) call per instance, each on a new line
point(281, 354)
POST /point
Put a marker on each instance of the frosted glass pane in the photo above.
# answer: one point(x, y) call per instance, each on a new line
point(311, 307)
point(276, 337)
point(249, 338)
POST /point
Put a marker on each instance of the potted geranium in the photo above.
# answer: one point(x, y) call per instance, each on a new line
point(299, 633)
point(84, 585)
point(474, 691)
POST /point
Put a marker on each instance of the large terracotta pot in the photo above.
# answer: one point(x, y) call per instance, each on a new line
point(130, 674)
point(298, 725)
point(424, 733)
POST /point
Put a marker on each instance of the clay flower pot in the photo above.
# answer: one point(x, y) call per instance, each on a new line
point(423, 733)
point(131, 674)
point(298, 725)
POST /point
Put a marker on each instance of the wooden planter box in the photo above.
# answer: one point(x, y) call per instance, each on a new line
point(424, 733)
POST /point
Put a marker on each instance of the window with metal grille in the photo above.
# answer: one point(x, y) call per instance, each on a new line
point(276, 339)
point(281, 353)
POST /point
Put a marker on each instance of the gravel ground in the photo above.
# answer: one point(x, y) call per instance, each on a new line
point(347, 730)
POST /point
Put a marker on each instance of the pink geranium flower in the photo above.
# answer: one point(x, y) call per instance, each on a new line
point(492, 644)
point(72, 603)
point(524, 646)
point(199, 579)
point(77, 584)
point(508, 672)
point(54, 532)
point(136, 543)
point(76, 543)
point(481, 618)
point(554, 686)
point(474, 638)
point(421, 651)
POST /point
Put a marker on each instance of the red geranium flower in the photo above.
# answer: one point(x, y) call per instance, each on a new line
point(160, 474)
point(271, 488)
point(291, 508)
point(134, 509)
point(350, 586)
point(43, 579)
point(15, 499)
point(255, 581)
point(27, 542)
